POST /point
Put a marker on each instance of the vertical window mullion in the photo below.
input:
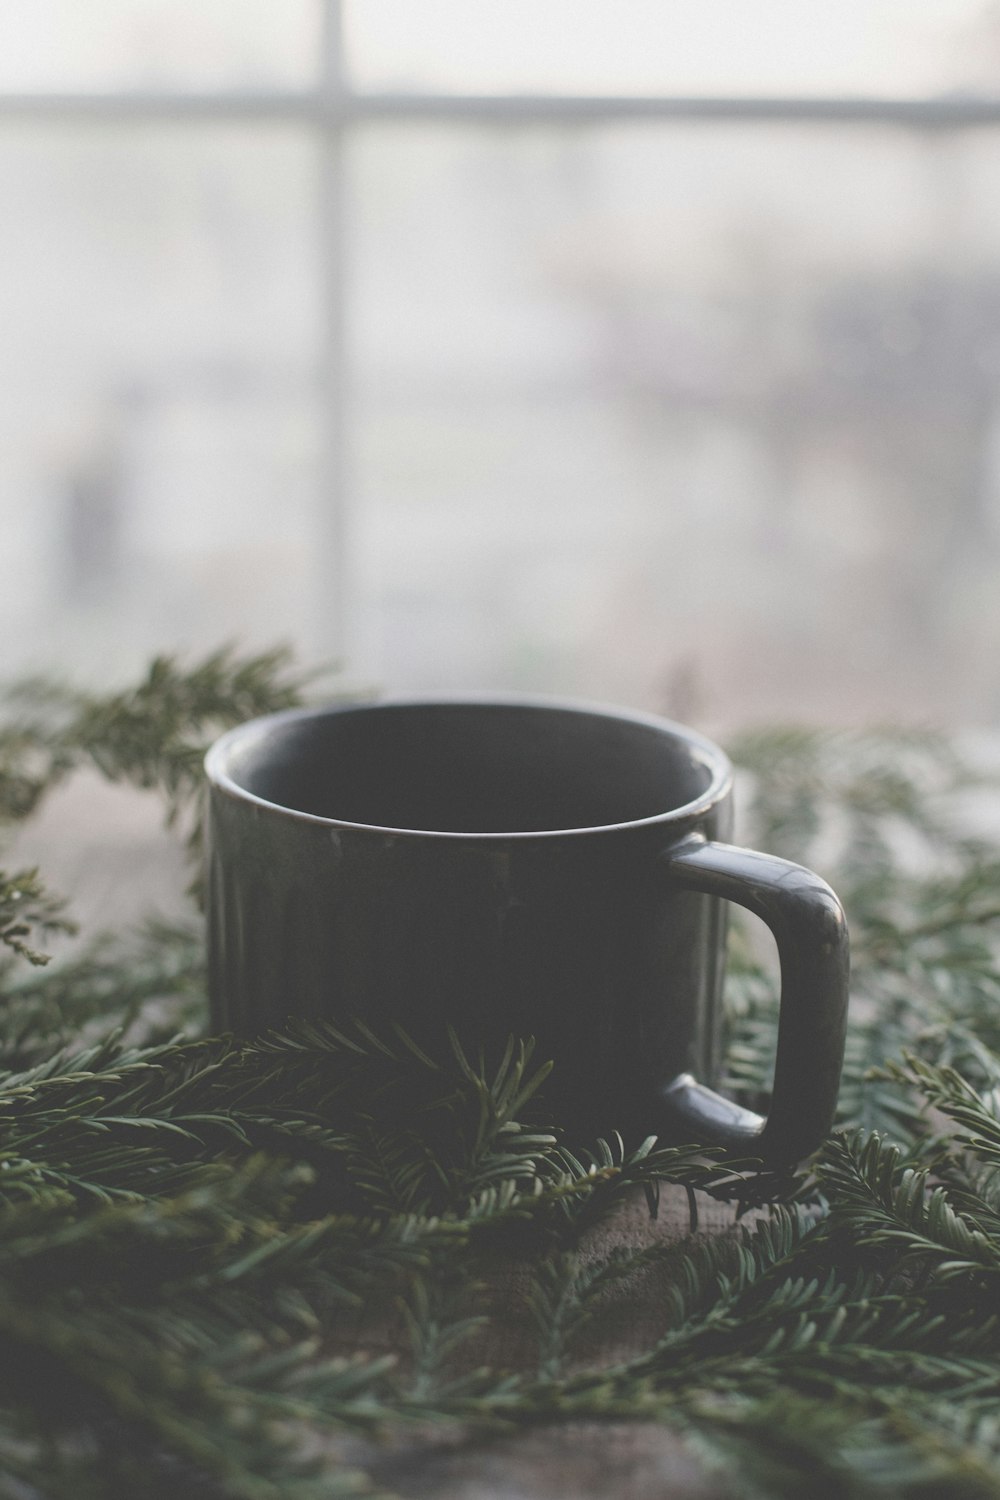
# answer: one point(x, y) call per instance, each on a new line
point(333, 579)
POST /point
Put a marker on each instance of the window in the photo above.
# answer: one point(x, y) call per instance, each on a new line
point(647, 352)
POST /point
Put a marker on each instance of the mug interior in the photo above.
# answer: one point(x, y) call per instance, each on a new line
point(471, 767)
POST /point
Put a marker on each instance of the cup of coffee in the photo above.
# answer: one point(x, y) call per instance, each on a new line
point(525, 867)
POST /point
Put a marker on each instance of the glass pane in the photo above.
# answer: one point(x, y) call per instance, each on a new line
point(704, 418)
point(158, 420)
point(683, 47)
point(157, 44)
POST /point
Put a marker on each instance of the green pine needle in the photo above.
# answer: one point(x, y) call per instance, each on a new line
point(222, 1260)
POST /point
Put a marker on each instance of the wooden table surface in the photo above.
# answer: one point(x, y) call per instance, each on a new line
point(105, 849)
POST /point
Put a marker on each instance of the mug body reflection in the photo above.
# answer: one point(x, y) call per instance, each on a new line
point(518, 867)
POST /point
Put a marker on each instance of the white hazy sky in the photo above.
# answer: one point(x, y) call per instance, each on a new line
point(887, 47)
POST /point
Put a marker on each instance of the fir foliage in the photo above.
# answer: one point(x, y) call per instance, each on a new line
point(153, 735)
point(223, 1264)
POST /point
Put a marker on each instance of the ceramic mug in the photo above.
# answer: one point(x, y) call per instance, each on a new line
point(523, 867)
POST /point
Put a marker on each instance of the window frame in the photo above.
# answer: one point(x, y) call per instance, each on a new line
point(331, 109)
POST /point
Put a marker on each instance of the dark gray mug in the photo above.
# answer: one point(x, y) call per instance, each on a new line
point(519, 867)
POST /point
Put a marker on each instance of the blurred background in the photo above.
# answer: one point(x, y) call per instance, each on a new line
point(647, 352)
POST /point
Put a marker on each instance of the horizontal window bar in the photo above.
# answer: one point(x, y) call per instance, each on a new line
point(343, 107)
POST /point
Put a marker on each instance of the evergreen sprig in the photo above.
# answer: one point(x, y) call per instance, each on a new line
point(27, 909)
point(227, 1268)
point(153, 735)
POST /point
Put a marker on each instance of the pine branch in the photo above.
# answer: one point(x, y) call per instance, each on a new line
point(149, 984)
point(202, 1240)
point(153, 736)
point(26, 908)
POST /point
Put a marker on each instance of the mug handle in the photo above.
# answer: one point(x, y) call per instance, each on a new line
point(808, 925)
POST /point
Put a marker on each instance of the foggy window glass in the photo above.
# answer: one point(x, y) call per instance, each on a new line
point(155, 44)
point(158, 420)
point(702, 417)
point(429, 366)
point(688, 47)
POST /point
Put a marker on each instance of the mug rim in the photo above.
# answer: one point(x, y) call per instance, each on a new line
point(706, 751)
